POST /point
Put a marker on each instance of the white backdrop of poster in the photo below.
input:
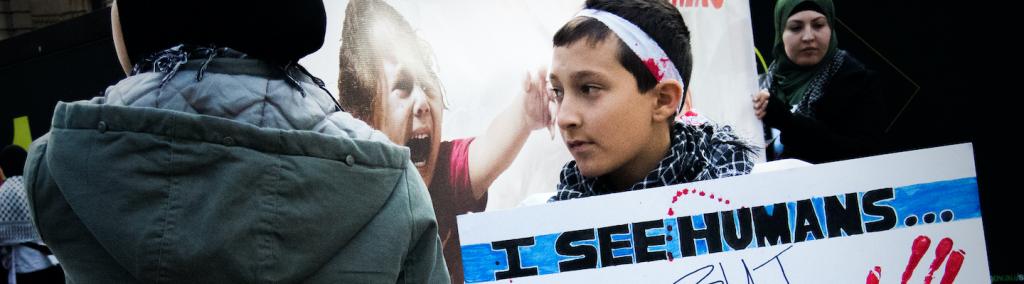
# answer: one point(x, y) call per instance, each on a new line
point(724, 69)
point(484, 49)
point(913, 215)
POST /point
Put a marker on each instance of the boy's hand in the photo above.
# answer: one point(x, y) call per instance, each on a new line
point(536, 101)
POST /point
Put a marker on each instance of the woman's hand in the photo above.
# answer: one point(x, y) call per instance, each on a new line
point(761, 103)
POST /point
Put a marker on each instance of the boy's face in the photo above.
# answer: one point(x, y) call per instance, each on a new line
point(604, 119)
point(410, 109)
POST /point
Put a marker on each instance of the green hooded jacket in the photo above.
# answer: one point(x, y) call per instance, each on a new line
point(235, 178)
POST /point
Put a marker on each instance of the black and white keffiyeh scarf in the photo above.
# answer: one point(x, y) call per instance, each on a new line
point(815, 88)
point(697, 152)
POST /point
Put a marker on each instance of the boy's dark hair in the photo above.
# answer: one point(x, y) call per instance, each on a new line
point(658, 18)
point(12, 160)
point(360, 65)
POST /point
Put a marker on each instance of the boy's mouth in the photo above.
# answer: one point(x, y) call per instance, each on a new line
point(419, 148)
point(577, 145)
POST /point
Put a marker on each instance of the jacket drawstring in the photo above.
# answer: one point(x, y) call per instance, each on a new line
point(202, 68)
point(170, 60)
point(320, 83)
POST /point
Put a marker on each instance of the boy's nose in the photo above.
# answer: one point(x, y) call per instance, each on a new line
point(567, 117)
point(421, 105)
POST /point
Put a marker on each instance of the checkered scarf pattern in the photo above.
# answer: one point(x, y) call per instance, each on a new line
point(698, 152)
point(817, 84)
point(15, 217)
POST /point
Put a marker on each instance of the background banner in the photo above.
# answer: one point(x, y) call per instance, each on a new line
point(483, 52)
point(446, 79)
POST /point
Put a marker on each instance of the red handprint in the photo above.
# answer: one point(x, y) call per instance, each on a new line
point(941, 251)
point(874, 275)
point(953, 266)
point(917, 251)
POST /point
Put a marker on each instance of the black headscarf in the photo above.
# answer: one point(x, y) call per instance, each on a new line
point(277, 31)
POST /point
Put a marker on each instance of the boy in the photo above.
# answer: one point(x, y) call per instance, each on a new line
point(618, 75)
point(387, 80)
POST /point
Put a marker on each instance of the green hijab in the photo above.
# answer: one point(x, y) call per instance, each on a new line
point(793, 79)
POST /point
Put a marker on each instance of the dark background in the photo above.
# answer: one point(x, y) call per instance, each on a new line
point(934, 57)
point(950, 69)
point(67, 61)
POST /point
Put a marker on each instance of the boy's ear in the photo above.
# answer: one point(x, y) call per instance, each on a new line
point(669, 93)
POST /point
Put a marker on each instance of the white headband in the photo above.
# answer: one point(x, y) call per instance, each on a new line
point(642, 44)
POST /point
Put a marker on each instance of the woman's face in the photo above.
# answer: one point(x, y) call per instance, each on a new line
point(806, 37)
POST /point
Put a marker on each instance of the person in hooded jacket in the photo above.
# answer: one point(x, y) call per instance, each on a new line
point(220, 160)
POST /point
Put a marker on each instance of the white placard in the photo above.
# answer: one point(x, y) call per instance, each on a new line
point(913, 214)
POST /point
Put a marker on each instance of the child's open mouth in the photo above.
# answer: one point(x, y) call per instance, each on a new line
point(419, 148)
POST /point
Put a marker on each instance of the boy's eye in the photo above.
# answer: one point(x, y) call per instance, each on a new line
point(558, 94)
point(588, 89)
point(403, 84)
